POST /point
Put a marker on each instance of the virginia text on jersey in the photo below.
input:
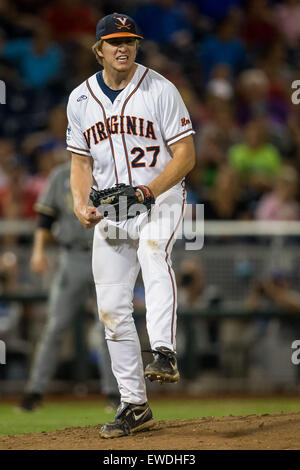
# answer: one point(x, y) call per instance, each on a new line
point(130, 125)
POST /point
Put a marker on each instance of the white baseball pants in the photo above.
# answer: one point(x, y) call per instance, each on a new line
point(119, 252)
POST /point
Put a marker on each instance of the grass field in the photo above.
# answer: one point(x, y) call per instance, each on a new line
point(61, 415)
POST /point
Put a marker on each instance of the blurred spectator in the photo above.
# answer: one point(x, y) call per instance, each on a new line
point(281, 203)
point(259, 30)
point(28, 7)
point(293, 125)
point(47, 157)
point(52, 139)
point(274, 291)
point(253, 89)
point(39, 59)
point(13, 204)
point(287, 16)
point(82, 64)
point(270, 339)
point(224, 47)
point(220, 88)
point(226, 199)
point(212, 143)
point(7, 156)
point(191, 282)
point(8, 272)
point(12, 24)
point(256, 161)
point(71, 19)
point(210, 156)
point(226, 125)
point(19, 189)
point(264, 92)
point(260, 349)
point(274, 63)
point(163, 21)
point(195, 295)
point(154, 57)
point(19, 194)
point(215, 9)
point(219, 93)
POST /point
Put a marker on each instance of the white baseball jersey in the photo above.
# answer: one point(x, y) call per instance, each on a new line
point(128, 139)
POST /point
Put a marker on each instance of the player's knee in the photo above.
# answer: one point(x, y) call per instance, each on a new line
point(116, 318)
point(124, 330)
point(114, 305)
point(108, 318)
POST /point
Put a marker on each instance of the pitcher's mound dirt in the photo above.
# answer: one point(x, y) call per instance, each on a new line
point(280, 431)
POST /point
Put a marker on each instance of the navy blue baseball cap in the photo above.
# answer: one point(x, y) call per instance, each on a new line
point(116, 26)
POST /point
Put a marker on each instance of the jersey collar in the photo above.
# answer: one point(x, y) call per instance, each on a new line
point(94, 85)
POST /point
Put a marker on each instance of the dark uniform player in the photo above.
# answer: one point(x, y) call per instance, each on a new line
point(72, 281)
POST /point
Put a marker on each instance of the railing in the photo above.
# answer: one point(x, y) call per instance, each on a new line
point(234, 254)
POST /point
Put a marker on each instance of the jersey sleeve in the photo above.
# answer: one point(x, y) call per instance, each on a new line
point(175, 121)
point(75, 139)
point(46, 203)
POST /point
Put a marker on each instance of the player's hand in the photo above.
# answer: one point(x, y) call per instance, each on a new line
point(88, 216)
point(139, 196)
point(39, 263)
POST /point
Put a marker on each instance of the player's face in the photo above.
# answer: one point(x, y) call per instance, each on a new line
point(118, 53)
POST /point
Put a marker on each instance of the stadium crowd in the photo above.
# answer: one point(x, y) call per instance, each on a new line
point(233, 62)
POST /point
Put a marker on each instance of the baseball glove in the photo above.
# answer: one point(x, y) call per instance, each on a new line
point(121, 202)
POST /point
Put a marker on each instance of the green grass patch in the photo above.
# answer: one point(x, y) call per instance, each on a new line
point(54, 416)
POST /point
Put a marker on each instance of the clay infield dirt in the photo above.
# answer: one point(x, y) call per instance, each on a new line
point(278, 431)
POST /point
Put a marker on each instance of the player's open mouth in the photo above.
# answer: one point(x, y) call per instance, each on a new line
point(122, 58)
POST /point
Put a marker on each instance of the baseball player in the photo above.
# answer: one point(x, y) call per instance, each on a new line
point(72, 281)
point(128, 125)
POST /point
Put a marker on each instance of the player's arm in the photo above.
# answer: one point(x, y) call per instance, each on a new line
point(183, 161)
point(81, 180)
point(39, 262)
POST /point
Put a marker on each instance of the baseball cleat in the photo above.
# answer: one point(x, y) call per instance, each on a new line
point(30, 402)
point(130, 418)
point(164, 367)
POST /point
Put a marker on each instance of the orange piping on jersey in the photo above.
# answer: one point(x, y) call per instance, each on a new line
point(76, 148)
point(108, 133)
point(122, 114)
point(169, 269)
point(181, 133)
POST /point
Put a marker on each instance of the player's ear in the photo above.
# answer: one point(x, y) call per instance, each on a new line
point(99, 53)
point(96, 48)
